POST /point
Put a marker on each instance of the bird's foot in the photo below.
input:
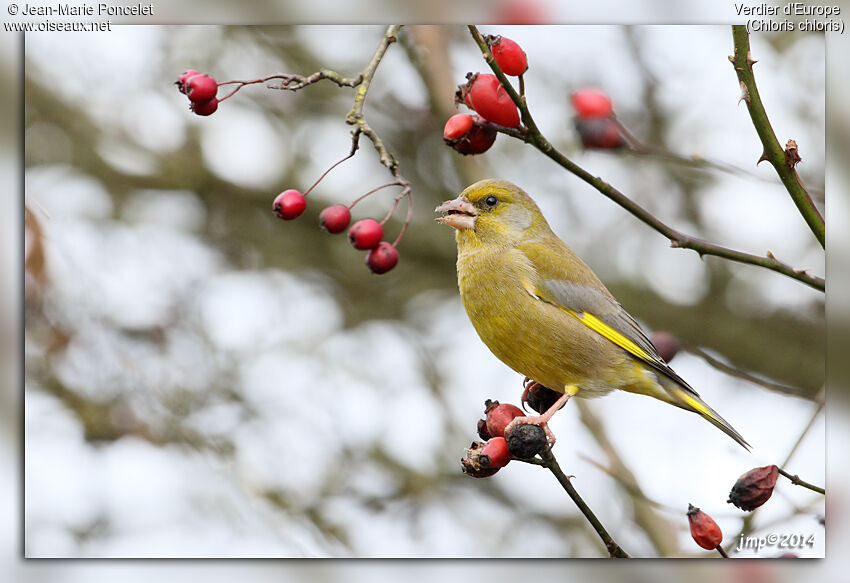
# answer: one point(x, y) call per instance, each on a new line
point(541, 421)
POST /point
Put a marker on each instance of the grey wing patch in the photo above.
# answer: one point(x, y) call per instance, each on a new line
point(584, 299)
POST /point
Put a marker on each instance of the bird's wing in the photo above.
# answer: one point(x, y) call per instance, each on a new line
point(557, 284)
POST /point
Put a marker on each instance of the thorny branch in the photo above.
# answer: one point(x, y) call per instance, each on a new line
point(531, 134)
point(783, 161)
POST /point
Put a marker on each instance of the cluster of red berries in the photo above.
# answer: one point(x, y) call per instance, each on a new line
point(501, 444)
point(474, 134)
point(594, 120)
point(200, 89)
point(366, 234)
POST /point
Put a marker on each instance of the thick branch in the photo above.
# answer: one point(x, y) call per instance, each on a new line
point(783, 161)
point(614, 550)
point(532, 135)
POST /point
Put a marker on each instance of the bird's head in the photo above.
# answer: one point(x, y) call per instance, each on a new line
point(493, 212)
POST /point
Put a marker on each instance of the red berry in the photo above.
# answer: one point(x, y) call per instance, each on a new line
point(705, 531)
point(499, 416)
point(201, 88)
point(457, 126)
point(335, 219)
point(599, 133)
point(289, 204)
point(522, 12)
point(487, 96)
point(183, 77)
point(476, 141)
point(205, 107)
point(497, 450)
point(382, 258)
point(509, 56)
point(592, 102)
point(366, 234)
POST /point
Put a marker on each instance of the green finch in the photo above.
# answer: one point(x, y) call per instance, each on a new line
point(545, 314)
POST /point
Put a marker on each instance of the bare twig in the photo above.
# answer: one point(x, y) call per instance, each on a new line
point(657, 529)
point(806, 429)
point(532, 135)
point(614, 550)
point(783, 161)
point(741, 374)
point(795, 479)
point(361, 127)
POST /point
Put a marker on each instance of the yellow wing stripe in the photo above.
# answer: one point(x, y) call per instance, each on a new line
point(608, 332)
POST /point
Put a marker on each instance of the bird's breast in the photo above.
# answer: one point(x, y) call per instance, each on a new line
point(534, 338)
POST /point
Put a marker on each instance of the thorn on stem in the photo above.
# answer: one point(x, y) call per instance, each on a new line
point(745, 93)
point(763, 158)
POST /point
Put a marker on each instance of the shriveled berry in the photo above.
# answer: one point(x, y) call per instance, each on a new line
point(472, 463)
point(496, 453)
point(366, 234)
point(666, 344)
point(201, 88)
point(599, 133)
point(476, 141)
point(183, 77)
point(458, 126)
point(526, 440)
point(499, 416)
point(754, 488)
point(591, 102)
point(205, 107)
point(289, 204)
point(705, 531)
point(335, 219)
point(541, 398)
point(509, 56)
point(382, 258)
point(487, 97)
point(482, 430)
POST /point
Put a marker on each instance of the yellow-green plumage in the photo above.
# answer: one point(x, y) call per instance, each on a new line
point(543, 312)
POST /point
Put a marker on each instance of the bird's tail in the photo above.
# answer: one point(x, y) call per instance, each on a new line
point(690, 401)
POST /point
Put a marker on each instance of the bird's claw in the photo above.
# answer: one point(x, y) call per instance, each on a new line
point(533, 420)
point(528, 385)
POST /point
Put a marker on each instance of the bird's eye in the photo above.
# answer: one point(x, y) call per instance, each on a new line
point(491, 200)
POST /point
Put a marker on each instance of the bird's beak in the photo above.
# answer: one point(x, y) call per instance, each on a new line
point(460, 213)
